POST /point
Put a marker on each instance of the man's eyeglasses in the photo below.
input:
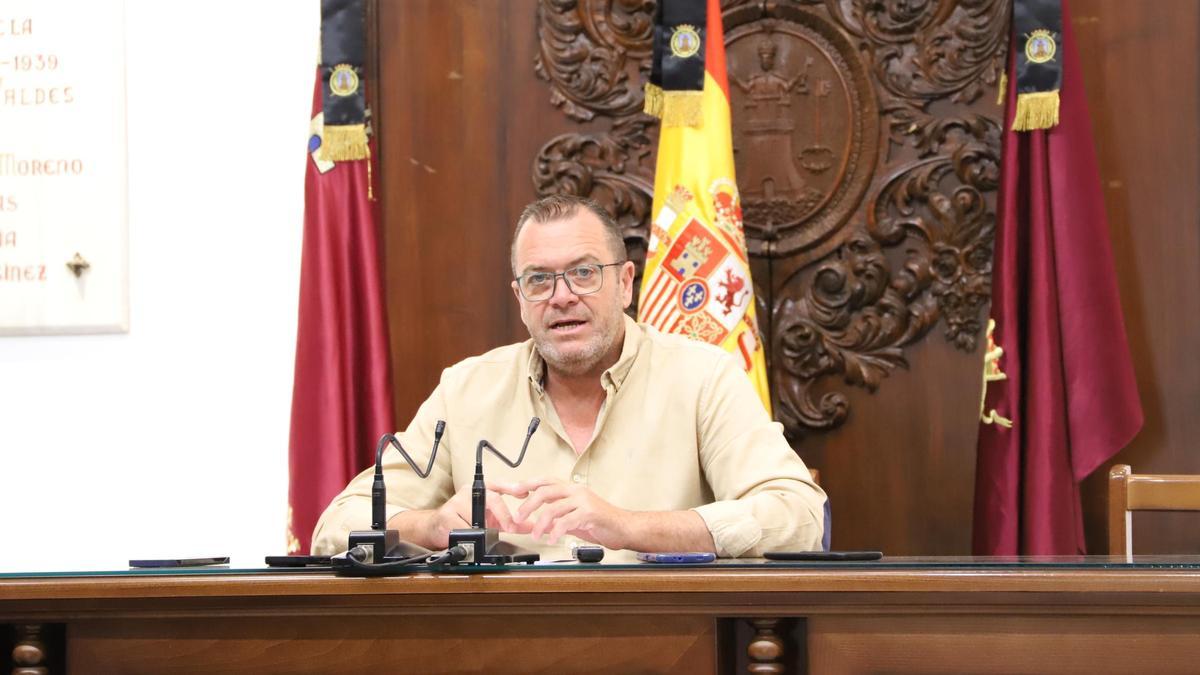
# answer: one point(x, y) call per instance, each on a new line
point(581, 280)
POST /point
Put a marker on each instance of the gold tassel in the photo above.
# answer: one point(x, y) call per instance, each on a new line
point(682, 108)
point(1036, 110)
point(654, 100)
point(343, 143)
point(1002, 93)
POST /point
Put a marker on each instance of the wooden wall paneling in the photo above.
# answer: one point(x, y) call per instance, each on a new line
point(1141, 65)
point(456, 115)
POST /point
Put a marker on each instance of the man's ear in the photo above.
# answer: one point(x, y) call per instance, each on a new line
point(626, 276)
point(516, 292)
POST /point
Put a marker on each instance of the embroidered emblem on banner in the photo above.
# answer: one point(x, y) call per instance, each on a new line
point(685, 41)
point(343, 81)
point(1040, 46)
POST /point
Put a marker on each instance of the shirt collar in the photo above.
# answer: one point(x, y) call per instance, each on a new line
point(613, 377)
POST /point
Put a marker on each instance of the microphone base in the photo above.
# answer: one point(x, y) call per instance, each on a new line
point(385, 545)
point(485, 548)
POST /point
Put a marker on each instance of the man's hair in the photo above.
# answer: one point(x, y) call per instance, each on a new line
point(561, 207)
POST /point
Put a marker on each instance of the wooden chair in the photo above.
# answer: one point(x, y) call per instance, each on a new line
point(1128, 492)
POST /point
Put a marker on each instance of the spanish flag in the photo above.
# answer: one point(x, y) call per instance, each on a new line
point(697, 277)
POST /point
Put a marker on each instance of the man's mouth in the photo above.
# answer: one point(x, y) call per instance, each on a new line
point(566, 325)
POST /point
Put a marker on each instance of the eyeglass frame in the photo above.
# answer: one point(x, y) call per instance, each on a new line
point(555, 276)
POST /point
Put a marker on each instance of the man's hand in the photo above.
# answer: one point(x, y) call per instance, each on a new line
point(569, 509)
point(431, 529)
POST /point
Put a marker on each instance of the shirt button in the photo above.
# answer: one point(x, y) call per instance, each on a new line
point(577, 478)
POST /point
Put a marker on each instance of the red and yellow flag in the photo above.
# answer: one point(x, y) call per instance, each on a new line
point(697, 277)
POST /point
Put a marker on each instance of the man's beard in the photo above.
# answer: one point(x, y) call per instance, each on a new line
point(579, 360)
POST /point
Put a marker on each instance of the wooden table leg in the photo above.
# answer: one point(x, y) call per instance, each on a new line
point(766, 647)
point(29, 652)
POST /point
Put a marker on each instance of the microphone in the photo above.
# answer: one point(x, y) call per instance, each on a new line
point(478, 488)
point(483, 543)
point(379, 489)
point(380, 541)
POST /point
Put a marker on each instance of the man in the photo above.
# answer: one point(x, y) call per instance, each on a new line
point(648, 442)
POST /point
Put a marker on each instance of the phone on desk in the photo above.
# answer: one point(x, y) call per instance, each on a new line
point(677, 558)
point(179, 562)
point(823, 555)
point(298, 561)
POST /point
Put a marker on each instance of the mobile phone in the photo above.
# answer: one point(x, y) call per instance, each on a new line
point(677, 558)
point(587, 553)
point(180, 562)
point(823, 555)
point(298, 561)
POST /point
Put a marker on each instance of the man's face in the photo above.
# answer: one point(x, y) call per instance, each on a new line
point(573, 333)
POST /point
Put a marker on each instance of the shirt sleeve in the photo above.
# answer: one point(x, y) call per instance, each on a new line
point(351, 510)
point(765, 497)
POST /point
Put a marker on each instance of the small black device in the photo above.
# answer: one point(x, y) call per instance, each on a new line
point(824, 555)
point(180, 562)
point(680, 558)
point(587, 553)
point(297, 561)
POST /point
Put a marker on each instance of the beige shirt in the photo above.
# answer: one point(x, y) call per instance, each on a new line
point(681, 428)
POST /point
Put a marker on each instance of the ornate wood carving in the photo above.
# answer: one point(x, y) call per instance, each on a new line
point(867, 158)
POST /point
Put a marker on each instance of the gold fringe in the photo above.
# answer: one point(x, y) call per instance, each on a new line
point(1036, 110)
point(654, 100)
point(1002, 91)
point(343, 143)
point(682, 108)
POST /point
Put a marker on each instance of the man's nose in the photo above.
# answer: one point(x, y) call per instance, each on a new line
point(563, 296)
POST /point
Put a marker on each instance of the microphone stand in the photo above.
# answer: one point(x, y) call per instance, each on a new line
point(482, 543)
point(384, 545)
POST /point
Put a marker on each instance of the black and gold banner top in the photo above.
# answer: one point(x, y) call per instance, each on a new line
point(1037, 37)
point(343, 101)
point(677, 67)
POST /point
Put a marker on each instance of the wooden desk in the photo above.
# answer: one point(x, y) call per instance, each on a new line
point(844, 620)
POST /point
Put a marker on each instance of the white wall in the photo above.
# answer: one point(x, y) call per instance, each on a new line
point(172, 440)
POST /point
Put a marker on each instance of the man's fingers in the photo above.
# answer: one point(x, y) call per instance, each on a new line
point(551, 513)
point(497, 508)
point(506, 488)
point(544, 495)
point(523, 488)
point(562, 526)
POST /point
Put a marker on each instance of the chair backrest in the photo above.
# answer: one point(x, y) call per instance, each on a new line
point(1128, 492)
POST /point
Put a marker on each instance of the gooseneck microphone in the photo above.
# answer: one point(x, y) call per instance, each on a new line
point(478, 488)
point(379, 489)
point(482, 543)
point(379, 542)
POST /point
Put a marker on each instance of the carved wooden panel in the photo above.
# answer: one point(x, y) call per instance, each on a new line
point(866, 155)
